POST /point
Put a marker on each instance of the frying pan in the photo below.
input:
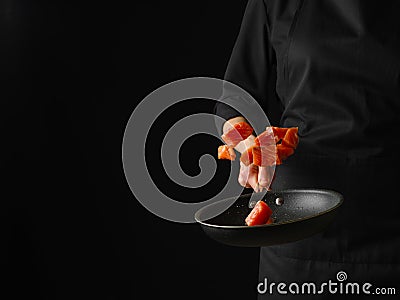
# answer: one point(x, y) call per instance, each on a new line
point(304, 212)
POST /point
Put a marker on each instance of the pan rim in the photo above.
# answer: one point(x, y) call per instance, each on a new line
point(302, 190)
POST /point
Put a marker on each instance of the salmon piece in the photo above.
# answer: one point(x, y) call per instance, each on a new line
point(291, 138)
point(238, 133)
point(272, 146)
point(279, 132)
point(244, 129)
point(283, 152)
point(247, 156)
point(264, 156)
point(225, 152)
point(265, 138)
point(259, 215)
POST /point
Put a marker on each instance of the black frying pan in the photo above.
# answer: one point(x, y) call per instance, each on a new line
point(304, 212)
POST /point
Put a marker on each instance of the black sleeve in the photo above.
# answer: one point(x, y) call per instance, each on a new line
point(250, 64)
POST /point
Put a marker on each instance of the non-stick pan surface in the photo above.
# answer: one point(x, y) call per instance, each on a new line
point(304, 212)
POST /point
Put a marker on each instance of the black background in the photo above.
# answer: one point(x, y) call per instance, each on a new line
point(71, 76)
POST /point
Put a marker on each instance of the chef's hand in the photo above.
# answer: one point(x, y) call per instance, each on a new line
point(252, 176)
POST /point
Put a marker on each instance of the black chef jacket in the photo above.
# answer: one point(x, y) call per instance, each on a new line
point(331, 68)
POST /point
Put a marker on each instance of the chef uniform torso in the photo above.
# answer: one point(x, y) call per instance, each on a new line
point(332, 69)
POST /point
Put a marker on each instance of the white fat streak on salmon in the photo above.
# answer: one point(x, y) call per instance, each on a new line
point(234, 136)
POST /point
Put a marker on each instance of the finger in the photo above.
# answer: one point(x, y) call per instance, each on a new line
point(248, 176)
point(253, 177)
point(232, 153)
point(243, 175)
point(264, 177)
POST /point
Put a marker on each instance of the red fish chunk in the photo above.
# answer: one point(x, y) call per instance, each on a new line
point(283, 152)
point(265, 138)
point(264, 156)
point(225, 152)
point(279, 132)
point(259, 215)
point(291, 138)
point(247, 156)
point(238, 133)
